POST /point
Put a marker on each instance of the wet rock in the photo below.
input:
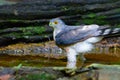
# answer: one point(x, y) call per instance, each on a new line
point(6, 71)
point(48, 73)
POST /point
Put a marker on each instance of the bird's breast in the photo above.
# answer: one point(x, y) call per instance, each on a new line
point(82, 47)
point(94, 39)
point(55, 33)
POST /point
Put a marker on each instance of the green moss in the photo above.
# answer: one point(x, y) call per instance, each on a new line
point(91, 15)
point(33, 30)
point(94, 16)
point(94, 19)
point(117, 10)
point(14, 20)
point(41, 76)
point(88, 21)
point(27, 31)
point(118, 25)
point(13, 34)
point(65, 8)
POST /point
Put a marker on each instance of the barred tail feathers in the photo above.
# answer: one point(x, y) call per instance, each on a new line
point(109, 32)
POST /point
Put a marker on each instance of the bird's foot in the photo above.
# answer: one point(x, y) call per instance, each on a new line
point(69, 71)
point(73, 71)
point(84, 69)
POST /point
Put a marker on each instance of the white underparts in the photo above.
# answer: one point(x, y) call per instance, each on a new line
point(80, 48)
point(55, 33)
point(93, 39)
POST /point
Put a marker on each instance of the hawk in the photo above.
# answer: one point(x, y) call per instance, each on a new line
point(78, 39)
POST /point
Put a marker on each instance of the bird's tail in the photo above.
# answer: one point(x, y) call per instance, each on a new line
point(109, 32)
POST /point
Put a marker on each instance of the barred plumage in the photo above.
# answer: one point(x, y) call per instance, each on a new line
point(109, 32)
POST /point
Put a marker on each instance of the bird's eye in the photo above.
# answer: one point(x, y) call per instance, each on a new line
point(55, 22)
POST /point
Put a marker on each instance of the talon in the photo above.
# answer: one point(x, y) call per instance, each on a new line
point(70, 71)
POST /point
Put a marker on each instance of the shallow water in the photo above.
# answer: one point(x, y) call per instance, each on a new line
point(52, 60)
point(30, 60)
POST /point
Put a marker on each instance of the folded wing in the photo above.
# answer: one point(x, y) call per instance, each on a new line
point(79, 34)
point(71, 36)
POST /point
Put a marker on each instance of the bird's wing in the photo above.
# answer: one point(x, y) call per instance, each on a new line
point(72, 36)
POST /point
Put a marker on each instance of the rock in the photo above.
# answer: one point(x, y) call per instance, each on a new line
point(48, 73)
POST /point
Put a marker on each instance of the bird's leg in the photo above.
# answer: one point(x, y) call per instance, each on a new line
point(83, 68)
point(71, 58)
point(83, 59)
point(71, 62)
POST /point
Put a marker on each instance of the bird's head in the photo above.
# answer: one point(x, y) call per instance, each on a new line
point(56, 23)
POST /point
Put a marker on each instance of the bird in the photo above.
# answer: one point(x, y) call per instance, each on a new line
point(78, 40)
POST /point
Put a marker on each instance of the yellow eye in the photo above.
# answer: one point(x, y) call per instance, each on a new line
point(55, 22)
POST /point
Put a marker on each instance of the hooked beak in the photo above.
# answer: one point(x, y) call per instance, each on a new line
point(50, 24)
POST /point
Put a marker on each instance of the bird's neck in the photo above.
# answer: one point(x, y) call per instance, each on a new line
point(58, 29)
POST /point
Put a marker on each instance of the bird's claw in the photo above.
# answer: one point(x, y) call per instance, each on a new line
point(70, 71)
point(73, 71)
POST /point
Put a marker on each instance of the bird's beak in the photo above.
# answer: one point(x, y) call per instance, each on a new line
point(50, 24)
